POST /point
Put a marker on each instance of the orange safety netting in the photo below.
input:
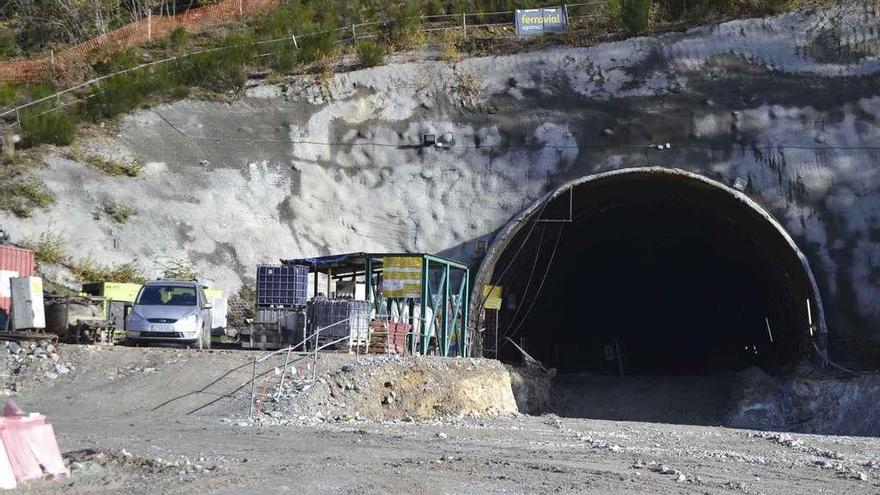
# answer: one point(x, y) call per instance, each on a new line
point(136, 33)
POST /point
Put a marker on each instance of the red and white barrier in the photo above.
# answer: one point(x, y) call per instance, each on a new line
point(30, 450)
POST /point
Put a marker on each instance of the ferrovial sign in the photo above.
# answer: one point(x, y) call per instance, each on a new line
point(539, 21)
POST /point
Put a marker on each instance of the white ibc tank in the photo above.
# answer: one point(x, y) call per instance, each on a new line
point(28, 311)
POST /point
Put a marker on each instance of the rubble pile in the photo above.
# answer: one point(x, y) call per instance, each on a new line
point(391, 388)
point(27, 362)
point(808, 401)
point(89, 463)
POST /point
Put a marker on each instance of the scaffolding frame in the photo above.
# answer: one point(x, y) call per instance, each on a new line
point(448, 301)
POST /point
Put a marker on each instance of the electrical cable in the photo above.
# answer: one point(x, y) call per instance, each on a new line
point(831, 363)
point(646, 146)
point(500, 278)
point(531, 274)
point(541, 286)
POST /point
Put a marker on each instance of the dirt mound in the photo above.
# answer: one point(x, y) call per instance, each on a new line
point(531, 388)
point(394, 388)
point(809, 401)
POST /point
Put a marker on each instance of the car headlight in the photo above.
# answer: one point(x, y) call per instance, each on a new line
point(134, 316)
point(189, 322)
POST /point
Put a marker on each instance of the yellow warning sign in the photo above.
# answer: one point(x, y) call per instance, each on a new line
point(402, 277)
point(492, 295)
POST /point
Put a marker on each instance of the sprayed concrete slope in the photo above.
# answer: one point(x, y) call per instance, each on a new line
point(227, 185)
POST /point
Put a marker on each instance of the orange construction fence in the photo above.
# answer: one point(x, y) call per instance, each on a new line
point(136, 33)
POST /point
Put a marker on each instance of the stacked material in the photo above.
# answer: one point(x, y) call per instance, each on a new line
point(388, 337)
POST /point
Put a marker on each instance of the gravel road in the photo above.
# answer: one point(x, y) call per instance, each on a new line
point(157, 421)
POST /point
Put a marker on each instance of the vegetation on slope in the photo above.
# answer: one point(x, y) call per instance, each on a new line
point(226, 53)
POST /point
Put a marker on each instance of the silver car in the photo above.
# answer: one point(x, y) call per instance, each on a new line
point(170, 311)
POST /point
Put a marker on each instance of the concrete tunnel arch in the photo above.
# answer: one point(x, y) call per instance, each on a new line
point(781, 277)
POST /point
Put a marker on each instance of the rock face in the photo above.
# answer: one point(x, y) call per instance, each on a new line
point(789, 104)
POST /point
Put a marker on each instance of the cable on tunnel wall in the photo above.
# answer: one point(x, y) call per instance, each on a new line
point(646, 146)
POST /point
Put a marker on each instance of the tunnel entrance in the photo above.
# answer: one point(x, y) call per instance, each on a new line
point(650, 272)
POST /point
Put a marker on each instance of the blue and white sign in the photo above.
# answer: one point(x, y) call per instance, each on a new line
point(540, 21)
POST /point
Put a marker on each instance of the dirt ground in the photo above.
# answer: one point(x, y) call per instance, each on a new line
point(134, 420)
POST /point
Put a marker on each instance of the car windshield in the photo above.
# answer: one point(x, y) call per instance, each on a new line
point(162, 295)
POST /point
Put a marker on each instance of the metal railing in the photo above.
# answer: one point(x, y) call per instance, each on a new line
point(310, 352)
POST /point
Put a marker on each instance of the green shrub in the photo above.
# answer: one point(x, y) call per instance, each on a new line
point(43, 122)
point(219, 70)
point(48, 248)
point(178, 40)
point(283, 57)
point(20, 195)
point(116, 95)
point(8, 44)
point(406, 25)
point(370, 53)
point(8, 95)
point(53, 127)
point(674, 10)
point(635, 15)
point(292, 17)
point(117, 212)
point(317, 46)
point(113, 167)
point(87, 270)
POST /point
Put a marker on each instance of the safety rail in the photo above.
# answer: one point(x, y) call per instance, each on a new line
point(305, 353)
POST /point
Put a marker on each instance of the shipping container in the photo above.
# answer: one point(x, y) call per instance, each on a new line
point(14, 262)
point(282, 286)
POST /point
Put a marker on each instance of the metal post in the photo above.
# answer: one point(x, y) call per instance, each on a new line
point(253, 389)
point(149, 25)
point(52, 64)
point(315, 294)
point(423, 308)
point(368, 271)
point(354, 36)
point(445, 329)
point(241, 8)
point(295, 45)
point(315, 358)
point(497, 316)
point(283, 374)
point(565, 8)
point(465, 302)
point(464, 25)
point(329, 277)
point(809, 318)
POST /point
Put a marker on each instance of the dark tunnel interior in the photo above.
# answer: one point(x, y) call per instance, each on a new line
point(653, 274)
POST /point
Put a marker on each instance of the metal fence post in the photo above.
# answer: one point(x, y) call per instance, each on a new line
point(241, 8)
point(253, 389)
point(296, 46)
point(464, 25)
point(150, 25)
point(52, 63)
point(354, 36)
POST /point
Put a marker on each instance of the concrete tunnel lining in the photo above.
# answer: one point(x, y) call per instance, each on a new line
point(504, 245)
